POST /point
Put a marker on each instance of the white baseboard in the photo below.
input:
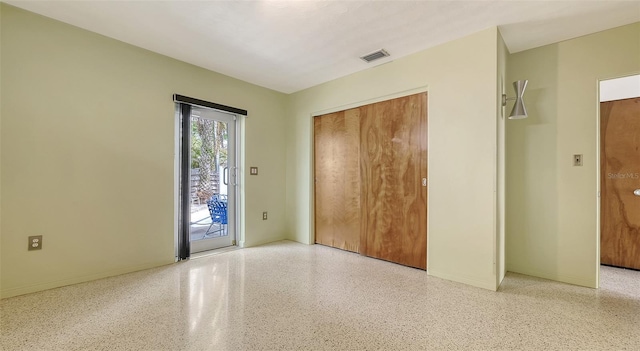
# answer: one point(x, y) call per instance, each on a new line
point(489, 284)
point(31, 288)
point(262, 242)
point(563, 278)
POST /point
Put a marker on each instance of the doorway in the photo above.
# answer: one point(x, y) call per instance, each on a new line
point(620, 172)
point(208, 179)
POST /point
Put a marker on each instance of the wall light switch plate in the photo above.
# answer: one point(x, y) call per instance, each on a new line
point(253, 170)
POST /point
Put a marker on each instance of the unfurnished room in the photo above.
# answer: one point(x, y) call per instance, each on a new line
point(320, 175)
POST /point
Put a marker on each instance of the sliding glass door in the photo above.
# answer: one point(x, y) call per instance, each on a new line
point(213, 180)
point(208, 180)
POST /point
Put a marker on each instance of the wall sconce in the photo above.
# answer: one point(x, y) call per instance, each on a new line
point(519, 111)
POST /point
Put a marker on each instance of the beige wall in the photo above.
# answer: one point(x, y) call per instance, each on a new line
point(87, 144)
point(461, 80)
point(552, 218)
point(0, 151)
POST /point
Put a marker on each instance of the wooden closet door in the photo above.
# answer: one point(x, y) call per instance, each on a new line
point(337, 179)
point(620, 177)
point(393, 162)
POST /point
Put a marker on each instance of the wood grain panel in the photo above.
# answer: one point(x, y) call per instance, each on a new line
point(620, 167)
point(393, 161)
point(337, 179)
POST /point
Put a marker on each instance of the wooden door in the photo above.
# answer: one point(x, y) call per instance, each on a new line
point(337, 179)
point(620, 167)
point(393, 162)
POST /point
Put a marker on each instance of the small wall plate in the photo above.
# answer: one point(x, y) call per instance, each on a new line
point(35, 243)
point(577, 160)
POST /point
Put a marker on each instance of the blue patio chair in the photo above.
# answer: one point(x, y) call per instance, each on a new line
point(219, 197)
point(218, 212)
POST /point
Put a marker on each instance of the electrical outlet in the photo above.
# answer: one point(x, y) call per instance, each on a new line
point(253, 170)
point(35, 243)
point(577, 160)
point(264, 216)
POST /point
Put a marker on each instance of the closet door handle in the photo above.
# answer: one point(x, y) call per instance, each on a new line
point(636, 192)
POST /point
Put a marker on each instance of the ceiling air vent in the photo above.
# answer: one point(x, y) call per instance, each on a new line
point(375, 55)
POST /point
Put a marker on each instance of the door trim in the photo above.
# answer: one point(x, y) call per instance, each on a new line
point(361, 103)
point(347, 106)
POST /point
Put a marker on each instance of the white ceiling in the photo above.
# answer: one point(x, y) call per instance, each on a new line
point(292, 45)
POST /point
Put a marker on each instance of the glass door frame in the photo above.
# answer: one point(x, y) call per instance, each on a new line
point(184, 105)
point(230, 174)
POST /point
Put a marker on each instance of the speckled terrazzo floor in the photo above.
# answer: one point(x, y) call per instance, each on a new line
point(289, 296)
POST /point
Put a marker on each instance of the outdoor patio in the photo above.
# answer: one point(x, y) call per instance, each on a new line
point(200, 222)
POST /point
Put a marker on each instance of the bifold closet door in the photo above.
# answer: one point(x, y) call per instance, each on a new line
point(393, 166)
point(337, 179)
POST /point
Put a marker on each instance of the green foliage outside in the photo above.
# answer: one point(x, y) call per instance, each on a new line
point(208, 153)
